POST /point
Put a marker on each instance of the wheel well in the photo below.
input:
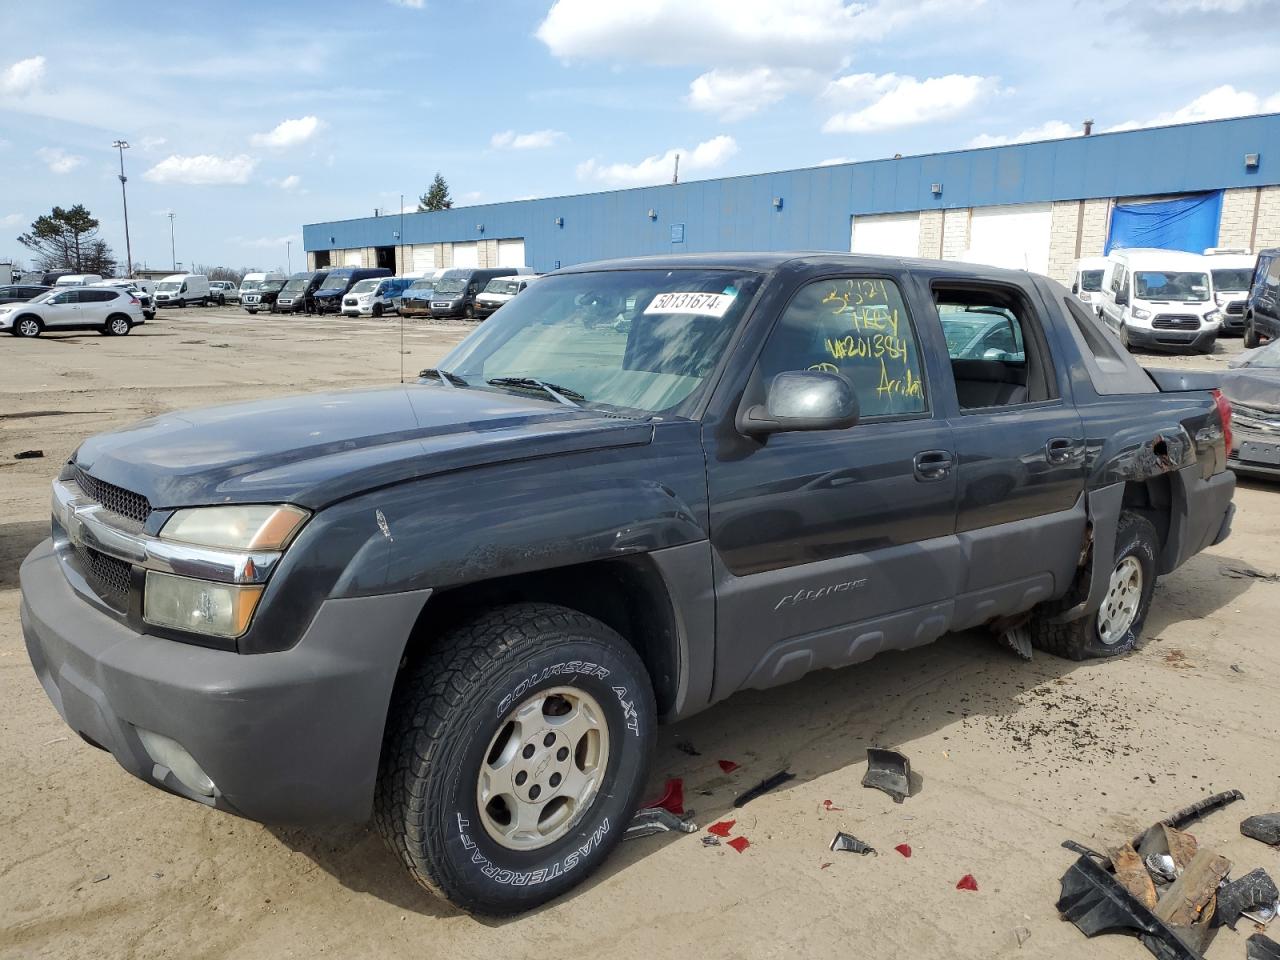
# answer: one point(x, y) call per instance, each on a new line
point(1153, 499)
point(627, 594)
point(112, 316)
point(29, 316)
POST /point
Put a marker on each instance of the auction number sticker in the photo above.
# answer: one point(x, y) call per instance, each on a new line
point(701, 304)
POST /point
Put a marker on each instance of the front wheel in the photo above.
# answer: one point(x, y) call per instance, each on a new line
point(27, 327)
point(1116, 626)
point(1251, 338)
point(515, 754)
point(1124, 337)
point(377, 311)
point(469, 312)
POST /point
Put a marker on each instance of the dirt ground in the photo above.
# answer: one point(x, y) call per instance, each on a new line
point(1013, 757)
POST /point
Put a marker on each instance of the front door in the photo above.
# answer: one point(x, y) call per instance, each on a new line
point(830, 546)
point(62, 309)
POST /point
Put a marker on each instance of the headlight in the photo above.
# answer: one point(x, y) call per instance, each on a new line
point(253, 527)
point(199, 606)
point(1212, 316)
point(1140, 314)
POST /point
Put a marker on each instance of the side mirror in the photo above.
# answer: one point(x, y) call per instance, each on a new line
point(1122, 299)
point(995, 353)
point(802, 400)
point(1075, 288)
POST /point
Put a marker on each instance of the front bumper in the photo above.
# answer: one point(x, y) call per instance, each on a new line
point(1202, 339)
point(290, 737)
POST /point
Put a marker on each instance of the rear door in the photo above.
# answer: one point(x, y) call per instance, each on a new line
point(830, 546)
point(62, 309)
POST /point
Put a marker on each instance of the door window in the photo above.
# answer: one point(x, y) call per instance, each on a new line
point(858, 328)
point(66, 296)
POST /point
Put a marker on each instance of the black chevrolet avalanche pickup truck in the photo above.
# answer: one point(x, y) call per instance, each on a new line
point(460, 606)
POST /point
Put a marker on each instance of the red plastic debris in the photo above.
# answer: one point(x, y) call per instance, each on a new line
point(672, 799)
point(722, 828)
point(728, 766)
point(904, 849)
point(830, 807)
point(739, 843)
point(967, 883)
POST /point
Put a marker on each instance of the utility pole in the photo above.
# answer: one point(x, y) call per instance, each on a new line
point(288, 252)
point(675, 178)
point(122, 146)
point(400, 237)
point(172, 250)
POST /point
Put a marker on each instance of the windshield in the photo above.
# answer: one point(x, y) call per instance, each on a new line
point(270, 286)
point(169, 286)
point(1090, 281)
point(250, 285)
point(643, 341)
point(502, 285)
point(450, 284)
point(364, 286)
point(423, 285)
point(1166, 285)
point(1232, 281)
point(335, 281)
point(295, 286)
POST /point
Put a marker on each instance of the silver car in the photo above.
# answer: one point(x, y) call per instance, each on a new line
point(111, 311)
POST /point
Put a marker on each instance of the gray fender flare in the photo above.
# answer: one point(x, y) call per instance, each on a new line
point(1103, 508)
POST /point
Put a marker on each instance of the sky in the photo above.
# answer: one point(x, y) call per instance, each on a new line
point(246, 120)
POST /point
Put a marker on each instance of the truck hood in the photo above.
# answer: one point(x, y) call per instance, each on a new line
point(316, 449)
point(1257, 388)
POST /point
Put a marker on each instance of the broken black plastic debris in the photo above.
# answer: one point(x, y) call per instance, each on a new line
point(763, 787)
point(653, 820)
point(29, 455)
point(1094, 901)
point(1264, 827)
point(1194, 812)
point(890, 771)
point(1261, 947)
point(848, 843)
point(684, 746)
point(1081, 849)
point(1251, 892)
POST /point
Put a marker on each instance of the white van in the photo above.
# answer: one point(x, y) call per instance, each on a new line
point(252, 281)
point(144, 290)
point(1161, 299)
point(1086, 281)
point(182, 289)
point(77, 280)
point(1232, 274)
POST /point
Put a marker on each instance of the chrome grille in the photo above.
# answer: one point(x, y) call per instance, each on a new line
point(1176, 321)
point(126, 503)
point(107, 575)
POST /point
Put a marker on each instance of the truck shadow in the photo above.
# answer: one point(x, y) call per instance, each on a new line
point(965, 685)
point(17, 539)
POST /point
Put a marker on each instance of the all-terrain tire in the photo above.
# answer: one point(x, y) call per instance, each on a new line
point(1251, 338)
point(447, 709)
point(1081, 639)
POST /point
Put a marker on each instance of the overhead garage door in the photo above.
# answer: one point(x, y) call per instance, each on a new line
point(466, 255)
point(423, 257)
point(891, 234)
point(353, 258)
point(1012, 236)
point(511, 253)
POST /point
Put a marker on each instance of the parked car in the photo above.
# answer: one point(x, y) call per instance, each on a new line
point(223, 292)
point(77, 279)
point(262, 296)
point(109, 310)
point(328, 296)
point(1086, 282)
point(456, 290)
point(498, 291)
point(21, 292)
point(416, 299)
point(1161, 299)
point(1231, 272)
point(463, 605)
point(374, 296)
point(1262, 309)
point(1253, 387)
point(144, 290)
point(981, 333)
point(298, 292)
point(182, 290)
point(252, 281)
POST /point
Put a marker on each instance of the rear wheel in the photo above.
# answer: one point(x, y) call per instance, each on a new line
point(1116, 626)
point(118, 325)
point(377, 311)
point(514, 757)
point(27, 327)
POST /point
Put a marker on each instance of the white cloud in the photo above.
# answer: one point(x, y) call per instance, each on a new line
point(410, 4)
point(262, 243)
point(735, 94)
point(1050, 130)
point(658, 169)
point(1217, 104)
point(202, 170)
point(834, 161)
point(288, 133)
point(152, 143)
point(534, 140)
point(13, 220)
point(290, 182)
point(58, 160)
point(899, 101)
point(22, 77)
point(1205, 6)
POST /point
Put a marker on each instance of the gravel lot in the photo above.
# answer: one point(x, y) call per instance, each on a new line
point(1014, 757)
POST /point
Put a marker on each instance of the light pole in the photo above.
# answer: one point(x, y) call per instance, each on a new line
point(122, 146)
point(172, 250)
point(288, 252)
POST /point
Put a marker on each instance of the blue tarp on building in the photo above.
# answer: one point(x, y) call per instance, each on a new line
point(1188, 223)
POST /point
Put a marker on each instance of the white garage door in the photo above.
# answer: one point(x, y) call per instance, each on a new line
point(423, 258)
point(1013, 236)
point(511, 253)
point(466, 255)
point(891, 234)
point(353, 258)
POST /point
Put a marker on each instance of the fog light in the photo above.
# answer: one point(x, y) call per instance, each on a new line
point(200, 606)
point(171, 754)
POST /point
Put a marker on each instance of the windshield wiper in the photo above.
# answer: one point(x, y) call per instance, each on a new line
point(448, 378)
point(562, 394)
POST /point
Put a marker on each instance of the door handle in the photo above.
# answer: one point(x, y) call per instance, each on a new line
point(1059, 449)
point(928, 465)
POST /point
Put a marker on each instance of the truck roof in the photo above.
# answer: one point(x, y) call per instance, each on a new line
point(768, 261)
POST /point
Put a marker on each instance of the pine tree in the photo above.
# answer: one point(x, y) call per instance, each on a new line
point(437, 197)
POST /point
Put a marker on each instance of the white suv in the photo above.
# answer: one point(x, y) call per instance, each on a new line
point(111, 311)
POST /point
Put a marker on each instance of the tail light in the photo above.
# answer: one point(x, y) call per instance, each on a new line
point(134, 300)
point(1224, 411)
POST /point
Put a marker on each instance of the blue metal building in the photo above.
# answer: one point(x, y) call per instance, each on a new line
point(1043, 204)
